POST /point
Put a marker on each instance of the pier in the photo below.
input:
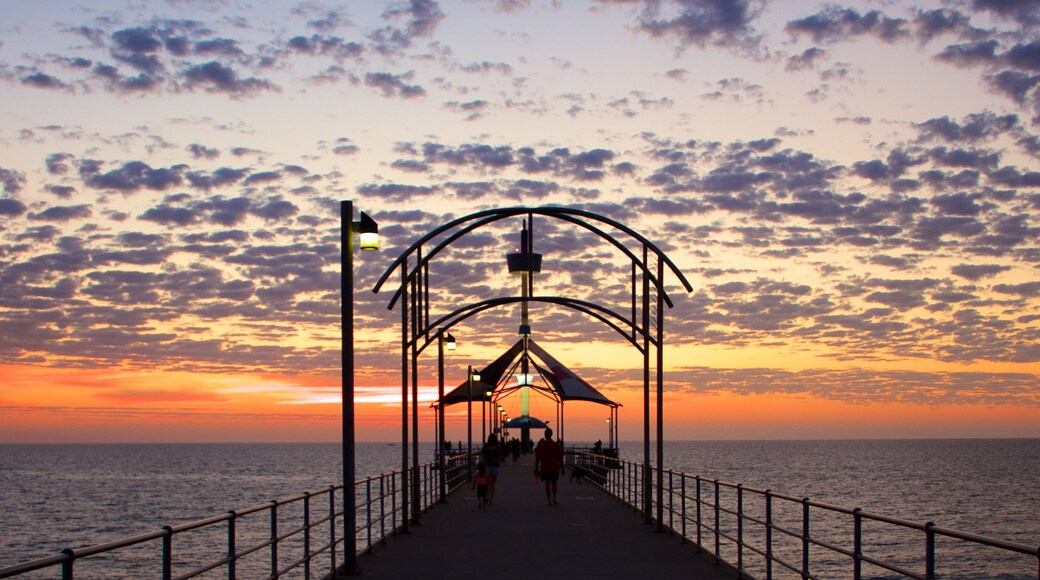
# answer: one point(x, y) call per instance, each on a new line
point(589, 534)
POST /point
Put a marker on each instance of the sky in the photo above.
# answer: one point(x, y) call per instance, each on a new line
point(851, 188)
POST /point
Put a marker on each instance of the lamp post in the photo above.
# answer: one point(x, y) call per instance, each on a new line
point(471, 377)
point(368, 234)
point(443, 342)
point(610, 435)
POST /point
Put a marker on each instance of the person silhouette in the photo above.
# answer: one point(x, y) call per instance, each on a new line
point(548, 464)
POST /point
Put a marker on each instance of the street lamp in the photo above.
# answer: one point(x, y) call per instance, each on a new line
point(484, 416)
point(443, 342)
point(471, 378)
point(368, 233)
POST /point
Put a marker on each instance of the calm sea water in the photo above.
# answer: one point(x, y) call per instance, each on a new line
point(57, 496)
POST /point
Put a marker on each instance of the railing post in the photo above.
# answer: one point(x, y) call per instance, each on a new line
point(274, 539)
point(393, 502)
point(682, 484)
point(929, 551)
point(382, 508)
point(332, 526)
point(699, 523)
point(805, 538)
point(769, 534)
point(232, 555)
point(167, 553)
point(717, 547)
point(368, 512)
point(67, 566)
point(307, 535)
point(857, 545)
point(671, 501)
point(740, 530)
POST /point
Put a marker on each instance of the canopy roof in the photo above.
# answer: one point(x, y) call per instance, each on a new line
point(555, 378)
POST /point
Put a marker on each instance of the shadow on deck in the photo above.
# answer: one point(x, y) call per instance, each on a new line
point(587, 535)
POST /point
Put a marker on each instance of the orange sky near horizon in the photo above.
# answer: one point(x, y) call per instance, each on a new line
point(41, 405)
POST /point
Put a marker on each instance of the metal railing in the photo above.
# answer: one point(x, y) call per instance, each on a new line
point(765, 534)
point(298, 535)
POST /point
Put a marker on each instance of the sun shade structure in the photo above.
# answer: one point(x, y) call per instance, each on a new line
point(552, 378)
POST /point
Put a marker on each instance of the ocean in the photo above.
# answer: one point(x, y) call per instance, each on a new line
point(58, 496)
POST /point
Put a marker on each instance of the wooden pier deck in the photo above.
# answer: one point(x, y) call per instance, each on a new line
point(587, 535)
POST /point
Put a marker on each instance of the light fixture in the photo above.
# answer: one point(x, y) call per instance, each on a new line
point(524, 379)
point(476, 377)
point(449, 342)
point(368, 232)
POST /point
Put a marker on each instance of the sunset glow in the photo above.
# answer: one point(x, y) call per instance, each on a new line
point(852, 190)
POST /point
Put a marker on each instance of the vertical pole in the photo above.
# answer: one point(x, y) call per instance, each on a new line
point(740, 528)
point(769, 535)
point(274, 539)
point(404, 398)
point(857, 545)
point(167, 553)
point(306, 535)
point(647, 474)
point(700, 527)
point(440, 416)
point(416, 489)
point(717, 532)
point(929, 554)
point(416, 322)
point(346, 213)
point(469, 424)
point(232, 551)
point(805, 537)
point(660, 390)
point(682, 482)
point(332, 528)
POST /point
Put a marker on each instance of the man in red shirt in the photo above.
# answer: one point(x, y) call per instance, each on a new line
point(548, 463)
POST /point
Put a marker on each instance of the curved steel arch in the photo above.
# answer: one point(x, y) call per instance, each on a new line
point(415, 317)
point(447, 321)
point(503, 213)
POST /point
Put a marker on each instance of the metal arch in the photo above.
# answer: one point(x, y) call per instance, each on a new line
point(417, 280)
point(503, 213)
point(448, 321)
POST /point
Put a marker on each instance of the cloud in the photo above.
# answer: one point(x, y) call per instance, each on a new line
point(202, 152)
point(843, 24)
point(12, 180)
point(865, 386)
point(11, 207)
point(215, 77)
point(701, 23)
point(62, 214)
point(392, 85)
point(132, 177)
point(976, 272)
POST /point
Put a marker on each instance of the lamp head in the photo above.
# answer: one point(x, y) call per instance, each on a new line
point(449, 342)
point(368, 232)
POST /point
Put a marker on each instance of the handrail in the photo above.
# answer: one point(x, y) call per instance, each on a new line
point(726, 522)
point(378, 517)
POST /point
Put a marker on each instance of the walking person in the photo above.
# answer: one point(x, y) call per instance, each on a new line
point(491, 454)
point(548, 464)
point(480, 481)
